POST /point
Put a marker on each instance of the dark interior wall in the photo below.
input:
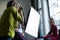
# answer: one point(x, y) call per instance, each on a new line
point(34, 3)
point(25, 3)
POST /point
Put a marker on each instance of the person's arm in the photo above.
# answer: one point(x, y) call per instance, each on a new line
point(22, 15)
point(20, 11)
point(19, 18)
point(51, 30)
point(16, 15)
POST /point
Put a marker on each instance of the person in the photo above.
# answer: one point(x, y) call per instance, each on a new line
point(53, 34)
point(59, 34)
point(19, 34)
point(8, 21)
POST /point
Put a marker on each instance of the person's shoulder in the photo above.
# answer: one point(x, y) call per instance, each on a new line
point(13, 8)
point(54, 26)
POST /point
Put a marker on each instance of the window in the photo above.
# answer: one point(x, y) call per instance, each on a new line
point(54, 6)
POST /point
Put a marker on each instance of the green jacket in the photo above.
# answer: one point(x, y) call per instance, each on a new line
point(8, 21)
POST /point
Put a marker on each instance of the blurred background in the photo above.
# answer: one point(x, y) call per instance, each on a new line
point(46, 9)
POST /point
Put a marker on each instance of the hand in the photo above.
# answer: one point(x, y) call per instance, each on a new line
point(46, 36)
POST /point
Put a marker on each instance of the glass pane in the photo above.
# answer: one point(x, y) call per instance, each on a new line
point(54, 6)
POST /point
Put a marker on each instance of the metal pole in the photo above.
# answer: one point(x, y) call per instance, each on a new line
point(48, 8)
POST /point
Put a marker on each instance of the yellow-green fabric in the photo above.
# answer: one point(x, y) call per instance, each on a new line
point(8, 21)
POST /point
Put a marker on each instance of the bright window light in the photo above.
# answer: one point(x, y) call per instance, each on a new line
point(33, 23)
